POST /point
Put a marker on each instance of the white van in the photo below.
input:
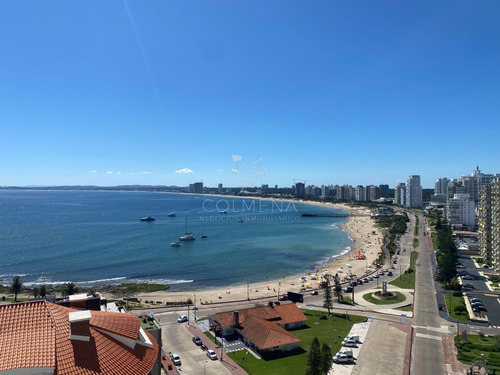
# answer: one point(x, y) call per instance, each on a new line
point(353, 338)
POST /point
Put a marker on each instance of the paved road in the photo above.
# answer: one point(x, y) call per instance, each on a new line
point(428, 354)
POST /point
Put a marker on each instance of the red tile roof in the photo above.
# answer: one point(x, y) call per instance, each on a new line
point(265, 334)
point(290, 313)
point(37, 334)
point(262, 312)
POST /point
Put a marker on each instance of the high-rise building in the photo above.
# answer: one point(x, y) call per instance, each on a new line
point(441, 186)
point(325, 191)
point(372, 193)
point(197, 188)
point(413, 192)
point(495, 223)
point(300, 189)
point(220, 188)
point(345, 192)
point(359, 193)
point(485, 227)
point(400, 194)
point(461, 210)
point(472, 183)
point(383, 187)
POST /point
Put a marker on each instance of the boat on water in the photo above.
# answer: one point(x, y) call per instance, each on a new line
point(172, 214)
point(223, 212)
point(147, 218)
point(203, 236)
point(188, 236)
point(240, 220)
point(175, 244)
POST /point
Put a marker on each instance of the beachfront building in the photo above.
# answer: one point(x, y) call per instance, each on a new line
point(413, 192)
point(263, 328)
point(440, 190)
point(220, 188)
point(300, 190)
point(47, 339)
point(495, 223)
point(325, 191)
point(345, 193)
point(359, 193)
point(461, 210)
point(196, 188)
point(400, 194)
point(372, 193)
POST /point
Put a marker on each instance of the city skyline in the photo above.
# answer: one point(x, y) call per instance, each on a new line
point(330, 93)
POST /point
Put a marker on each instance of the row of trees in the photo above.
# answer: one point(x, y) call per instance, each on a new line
point(319, 359)
point(448, 254)
point(16, 287)
point(327, 292)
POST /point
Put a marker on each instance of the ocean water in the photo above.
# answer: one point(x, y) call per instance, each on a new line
point(96, 237)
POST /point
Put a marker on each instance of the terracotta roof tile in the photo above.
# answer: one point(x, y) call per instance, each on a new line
point(36, 334)
point(266, 334)
point(290, 313)
point(262, 312)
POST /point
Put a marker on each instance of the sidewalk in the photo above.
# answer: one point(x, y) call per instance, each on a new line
point(226, 361)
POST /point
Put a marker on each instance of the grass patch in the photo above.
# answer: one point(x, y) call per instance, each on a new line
point(131, 288)
point(405, 308)
point(407, 279)
point(346, 300)
point(477, 345)
point(19, 299)
point(415, 242)
point(399, 298)
point(330, 331)
point(451, 304)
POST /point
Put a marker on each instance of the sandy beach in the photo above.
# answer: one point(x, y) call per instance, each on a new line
point(367, 241)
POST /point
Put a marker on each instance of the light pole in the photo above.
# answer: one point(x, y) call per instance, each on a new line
point(204, 368)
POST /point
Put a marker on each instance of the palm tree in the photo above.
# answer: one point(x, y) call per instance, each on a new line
point(69, 289)
point(42, 291)
point(35, 291)
point(16, 286)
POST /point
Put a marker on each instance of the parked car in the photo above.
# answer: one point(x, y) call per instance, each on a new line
point(468, 286)
point(370, 278)
point(353, 337)
point(197, 340)
point(353, 283)
point(314, 293)
point(342, 358)
point(176, 359)
point(284, 297)
point(376, 276)
point(347, 352)
point(350, 343)
point(474, 300)
point(366, 279)
point(467, 277)
point(476, 304)
point(389, 273)
point(348, 289)
point(211, 354)
point(182, 319)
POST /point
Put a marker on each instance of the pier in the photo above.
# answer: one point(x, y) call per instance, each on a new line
point(307, 214)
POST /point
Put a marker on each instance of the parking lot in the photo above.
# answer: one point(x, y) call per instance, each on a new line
point(177, 339)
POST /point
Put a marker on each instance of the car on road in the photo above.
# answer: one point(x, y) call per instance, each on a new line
point(176, 359)
point(381, 273)
point(472, 300)
point(370, 278)
point(468, 286)
point(314, 293)
point(197, 340)
point(211, 354)
point(389, 273)
point(376, 276)
point(476, 304)
point(350, 343)
point(467, 277)
point(182, 319)
point(348, 289)
point(284, 297)
point(479, 309)
point(365, 279)
point(353, 283)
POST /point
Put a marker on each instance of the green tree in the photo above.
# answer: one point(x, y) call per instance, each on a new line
point(327, 292)
point(314, 365)
point(326, 358)
point(69, 289)
point(35, 291)
point(16, 286)
point(42, 291)
point(338, 287)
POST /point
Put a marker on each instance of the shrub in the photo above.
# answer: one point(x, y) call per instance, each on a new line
point(460, 309)
point(457, 293)
point(169, 366)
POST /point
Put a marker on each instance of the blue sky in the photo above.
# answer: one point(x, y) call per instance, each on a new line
point(357, 92)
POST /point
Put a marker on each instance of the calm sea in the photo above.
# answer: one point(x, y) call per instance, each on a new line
point(92, 237)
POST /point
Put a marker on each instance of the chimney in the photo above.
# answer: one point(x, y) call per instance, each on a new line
point(271, 305)
point(79, 323)
point(78, 301)
point(236, 318)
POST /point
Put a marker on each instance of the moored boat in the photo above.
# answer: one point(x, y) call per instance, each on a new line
point(147, 218)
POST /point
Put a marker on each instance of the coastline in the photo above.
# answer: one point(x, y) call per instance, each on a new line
point(365, 238)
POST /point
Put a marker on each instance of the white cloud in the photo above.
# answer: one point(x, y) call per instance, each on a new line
point(220, 170)
point(118, 172)
point(93, 171)
point(109, 172)
point(132, 173)
point(184, 170)
point(145, 172)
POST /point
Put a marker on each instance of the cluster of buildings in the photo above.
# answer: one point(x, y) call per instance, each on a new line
point(359, 193)
point(409, 194)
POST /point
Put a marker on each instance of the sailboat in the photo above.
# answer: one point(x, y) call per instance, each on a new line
point(188, 236)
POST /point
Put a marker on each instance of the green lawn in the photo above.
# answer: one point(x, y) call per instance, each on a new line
point(399, 298)
point(19, 299)
point(407, 280)
point(330, 331)
point(415, 242)
point(455, 301)
point(405, 308)
point(477, 345)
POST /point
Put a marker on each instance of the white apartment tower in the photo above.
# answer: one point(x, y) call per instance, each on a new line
point(400, 194)
point(461, 210)
point(413, 192)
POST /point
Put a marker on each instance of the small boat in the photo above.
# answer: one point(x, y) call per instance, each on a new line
point(203, 236)
point(172, 214)
point(188, 236)
point(240, 220)
point(148, 218)
point(175, 244)
point(223, 212)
